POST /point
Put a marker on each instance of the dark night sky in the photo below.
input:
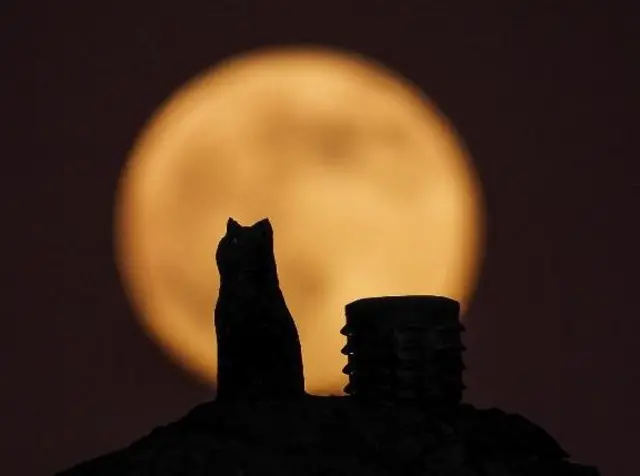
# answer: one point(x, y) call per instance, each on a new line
point(541, 92)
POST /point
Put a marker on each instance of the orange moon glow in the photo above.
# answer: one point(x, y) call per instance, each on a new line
point(366, 184)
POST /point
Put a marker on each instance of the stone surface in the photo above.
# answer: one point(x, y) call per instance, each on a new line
point(339, 436)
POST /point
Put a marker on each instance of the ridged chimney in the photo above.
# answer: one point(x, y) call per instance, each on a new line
point(404, 348)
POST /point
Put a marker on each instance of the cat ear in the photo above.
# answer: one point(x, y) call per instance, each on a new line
point(264, 225)
point(233, 226)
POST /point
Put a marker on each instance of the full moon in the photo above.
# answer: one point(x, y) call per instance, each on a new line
point(368, 188)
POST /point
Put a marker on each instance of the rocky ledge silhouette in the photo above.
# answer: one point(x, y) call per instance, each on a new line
point(402, 414)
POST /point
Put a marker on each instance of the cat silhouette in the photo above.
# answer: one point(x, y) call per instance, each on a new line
point(259, 354)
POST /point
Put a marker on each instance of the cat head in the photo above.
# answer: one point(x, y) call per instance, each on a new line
point(260, 228)
point(246, 249)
